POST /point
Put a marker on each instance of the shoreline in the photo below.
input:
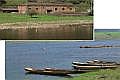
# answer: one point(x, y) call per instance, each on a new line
point(108, 74)
point(27, 25)
point(107, 35)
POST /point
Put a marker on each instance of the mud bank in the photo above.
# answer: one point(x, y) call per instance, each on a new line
point(74, 31)
point(43, 24)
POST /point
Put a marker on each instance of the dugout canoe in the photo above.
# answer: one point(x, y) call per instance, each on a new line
point(94, 64)
point(51, 71)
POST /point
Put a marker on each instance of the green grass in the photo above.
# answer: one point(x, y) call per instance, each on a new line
point(15, 2)
point(107, 35)
point(12, 18)
point(99, 75)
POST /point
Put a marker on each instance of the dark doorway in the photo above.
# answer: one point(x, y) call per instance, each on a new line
point(49, 11)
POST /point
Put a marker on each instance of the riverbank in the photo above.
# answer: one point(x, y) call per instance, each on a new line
point(14, 17)
point(108, 74)
point(107, 35)
point(44, 24)
point(47, 31)
point(13, 21)
point(45, 27)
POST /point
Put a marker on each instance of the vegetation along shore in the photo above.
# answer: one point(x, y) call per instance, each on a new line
point(13, 18)
point(108, 74)
point(23, 21)
point(107, 35)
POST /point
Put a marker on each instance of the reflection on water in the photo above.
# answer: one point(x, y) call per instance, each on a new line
point(58, 33)
point(53, 54)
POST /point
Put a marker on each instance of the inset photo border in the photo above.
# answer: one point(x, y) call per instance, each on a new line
point(46, 20)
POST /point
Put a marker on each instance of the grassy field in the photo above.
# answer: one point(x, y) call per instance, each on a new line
point(107, 35)
point(99, 75)
point(12, 18)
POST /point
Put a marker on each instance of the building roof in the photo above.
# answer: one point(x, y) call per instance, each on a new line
point(48, 4)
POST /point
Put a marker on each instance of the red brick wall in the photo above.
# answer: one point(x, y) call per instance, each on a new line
point(22, 9)
point(43, 9)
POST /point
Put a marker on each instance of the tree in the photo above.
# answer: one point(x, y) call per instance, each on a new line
point(2, 2)
point(91, 9)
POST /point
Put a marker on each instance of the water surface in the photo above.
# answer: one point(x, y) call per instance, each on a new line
point(60, 32)
point(53, 54)
point(107, 30)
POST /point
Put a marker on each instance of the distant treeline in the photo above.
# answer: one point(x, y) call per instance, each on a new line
point(2, 2)
point(65, 1)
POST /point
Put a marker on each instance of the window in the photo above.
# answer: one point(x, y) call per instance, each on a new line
point(63, 8)
point(55, 9)
point(49, 11)
point(36, 8)
point(29, 8)
point(32, 0)
point(70, 8)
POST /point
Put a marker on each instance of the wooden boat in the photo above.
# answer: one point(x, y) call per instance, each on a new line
point(95, 64)
point(92, 67)
point(51, 71)
point(102, 46)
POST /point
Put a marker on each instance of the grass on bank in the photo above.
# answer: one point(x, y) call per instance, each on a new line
point(12, 18)
point(107, 35)
point(99, 75)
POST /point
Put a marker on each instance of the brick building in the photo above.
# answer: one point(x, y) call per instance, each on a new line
point(46, 8)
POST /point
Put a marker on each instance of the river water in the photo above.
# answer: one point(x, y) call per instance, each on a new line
point(60, 32)
point(53, 54)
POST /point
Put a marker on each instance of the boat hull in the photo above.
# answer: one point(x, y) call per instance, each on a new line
point(92, 67)
point(60, 72)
